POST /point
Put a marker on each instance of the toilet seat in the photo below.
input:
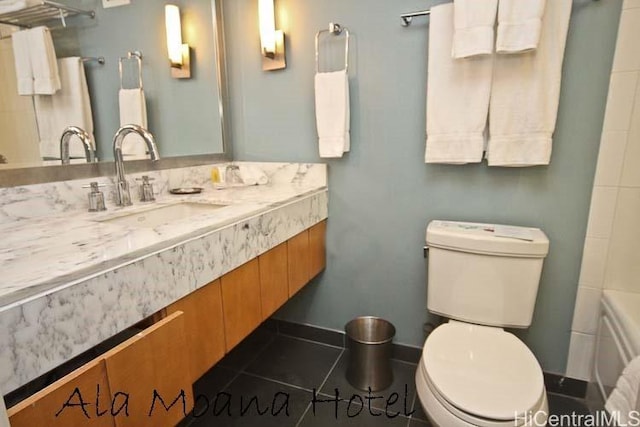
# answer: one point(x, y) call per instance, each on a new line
point(482, 373)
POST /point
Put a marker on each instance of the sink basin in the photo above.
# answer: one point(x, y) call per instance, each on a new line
point(163, 215)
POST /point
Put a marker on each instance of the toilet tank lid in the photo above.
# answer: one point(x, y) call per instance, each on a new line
point(493, 239)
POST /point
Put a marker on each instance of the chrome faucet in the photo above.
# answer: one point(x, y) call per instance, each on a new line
point(123, 196)
point(87, 143)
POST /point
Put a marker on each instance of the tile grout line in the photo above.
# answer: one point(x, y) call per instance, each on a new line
point(326, 378)
point(310, 341)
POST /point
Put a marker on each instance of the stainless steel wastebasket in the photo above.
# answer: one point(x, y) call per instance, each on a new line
point(369, 343)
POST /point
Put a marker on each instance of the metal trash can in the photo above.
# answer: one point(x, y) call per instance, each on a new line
point(369, 343)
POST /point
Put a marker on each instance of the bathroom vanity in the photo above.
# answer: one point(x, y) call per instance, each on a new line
point(198, 278)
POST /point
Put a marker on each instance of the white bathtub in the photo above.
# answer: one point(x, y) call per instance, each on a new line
point(618, 337)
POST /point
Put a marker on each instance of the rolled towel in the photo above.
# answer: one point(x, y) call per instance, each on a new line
point(7, 6)
point(625, 396)
point(251, 175)
point(133, 111)
point(46, 80)
point(473, 27)
point(332, 113)
point(458, 96)
point(519, 25)
point(526, 93)
point(22, 62)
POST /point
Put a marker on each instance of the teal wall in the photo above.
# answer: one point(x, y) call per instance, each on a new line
point(183, 115)
point(382, 195)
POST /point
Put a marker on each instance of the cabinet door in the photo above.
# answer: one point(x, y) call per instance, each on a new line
point(53, 406)
point(274, 283)
point(151, 366)
point(204, 327)
point(317, 248)
point(298, 265)
point(241, 302)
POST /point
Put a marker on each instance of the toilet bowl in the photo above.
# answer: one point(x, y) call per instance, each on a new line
point(471, 375)
point(482, 277)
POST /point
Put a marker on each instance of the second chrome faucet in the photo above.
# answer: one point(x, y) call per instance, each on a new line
point(123, 195)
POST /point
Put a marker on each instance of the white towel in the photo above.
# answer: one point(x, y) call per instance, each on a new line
point(71, 106)
point(7, 6)
point(133, 111)
point(333, 113)
point(252, 175)
point(625, 396)
point(458, 96)
point(519, 25)
point(526, 93)
point(22, 62)
point(473, 22)
point(46, 80)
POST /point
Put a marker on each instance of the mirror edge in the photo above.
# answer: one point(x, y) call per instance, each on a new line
point(43, 174)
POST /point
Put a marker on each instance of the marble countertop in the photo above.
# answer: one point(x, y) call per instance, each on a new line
point(42, 254)
point(71, 281)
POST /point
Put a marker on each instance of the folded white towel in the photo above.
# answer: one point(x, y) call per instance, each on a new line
point(333, 113)
point(252, 175)
point(473, 22)
point(526, 93)
point(46, 79)
point(519, 25)
point(22, 62)
point(7, 6)
point(71, 106)
point(625, 396)
point(458, 96)
point(133, 111)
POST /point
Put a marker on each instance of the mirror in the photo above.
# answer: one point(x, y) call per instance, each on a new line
point(184, 115)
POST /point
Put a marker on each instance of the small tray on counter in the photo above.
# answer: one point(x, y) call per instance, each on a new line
point(186, 190)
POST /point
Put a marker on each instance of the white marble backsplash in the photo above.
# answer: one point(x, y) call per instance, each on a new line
point(70, 281)
point(33, 201)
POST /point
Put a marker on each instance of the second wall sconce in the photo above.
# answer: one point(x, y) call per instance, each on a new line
point(179, 55)
point(271, 40)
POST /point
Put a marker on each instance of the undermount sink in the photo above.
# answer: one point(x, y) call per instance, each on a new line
point(163, 215)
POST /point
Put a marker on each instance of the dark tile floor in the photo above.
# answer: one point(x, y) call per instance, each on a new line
point(277, 380)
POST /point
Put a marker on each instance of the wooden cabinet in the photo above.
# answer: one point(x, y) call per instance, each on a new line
point(298, 262)
point(203, 327)
point(317, 249)
point(134, 383)
point(274, 281)
point(150, 372)
point(81, 386)
point(241, 302)
point(307, 258)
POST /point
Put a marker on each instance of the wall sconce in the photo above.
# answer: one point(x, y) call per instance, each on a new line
point(271, 41)
point(179, 56)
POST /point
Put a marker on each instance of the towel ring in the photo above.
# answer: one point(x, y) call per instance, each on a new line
point(334, 30)
point(137, 55)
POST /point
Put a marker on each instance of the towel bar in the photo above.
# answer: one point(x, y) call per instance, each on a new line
point(334, 30)
point(408, 17)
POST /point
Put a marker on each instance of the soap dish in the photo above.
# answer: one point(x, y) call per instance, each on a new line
point(187, 190)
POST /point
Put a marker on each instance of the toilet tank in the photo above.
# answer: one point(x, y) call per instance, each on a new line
point(484, 273)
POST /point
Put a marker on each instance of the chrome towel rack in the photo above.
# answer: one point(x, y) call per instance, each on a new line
point(407, 18)
point(99, 59)
point(137, 56)
point(41, 12)
point(334, 30)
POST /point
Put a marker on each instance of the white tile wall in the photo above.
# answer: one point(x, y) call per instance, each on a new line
point(611, 256)
point(602, 210)
point(627, 55)
point(622, 89)
point(611, 158)
point(594, 259)
point(581, 351)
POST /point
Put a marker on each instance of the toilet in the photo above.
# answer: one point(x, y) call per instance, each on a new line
point(472, 372)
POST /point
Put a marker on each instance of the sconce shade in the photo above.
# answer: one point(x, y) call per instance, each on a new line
point(267, 27)
point(174, 33)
